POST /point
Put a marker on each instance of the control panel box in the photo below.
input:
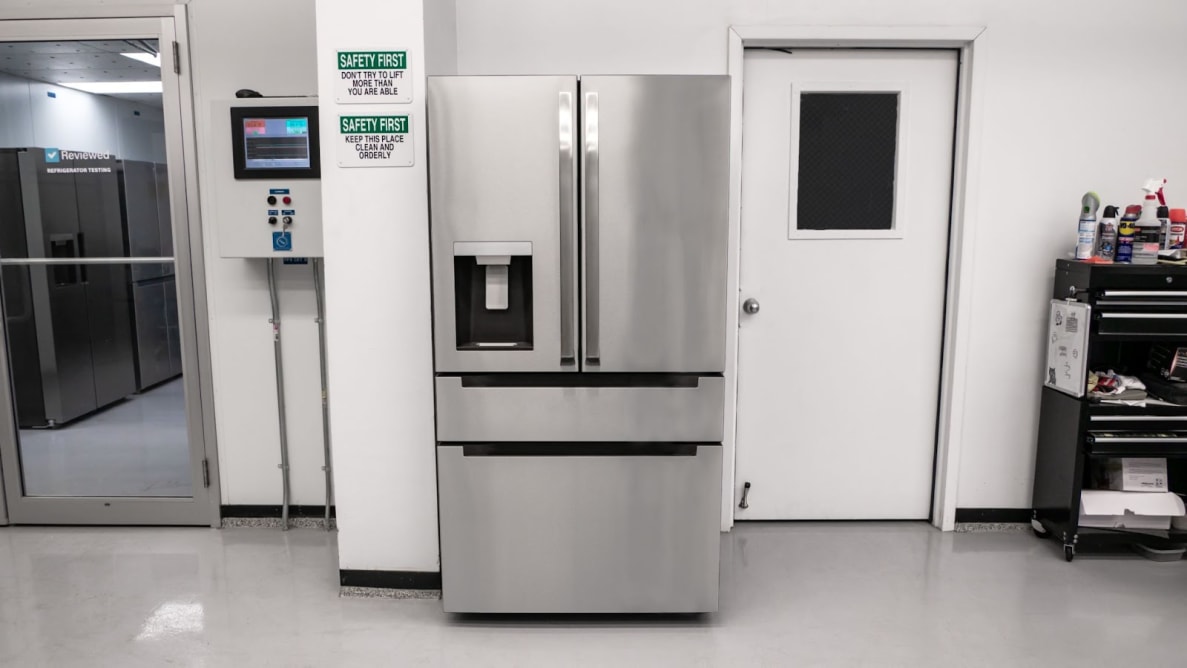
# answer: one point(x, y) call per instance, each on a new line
point(266, 173)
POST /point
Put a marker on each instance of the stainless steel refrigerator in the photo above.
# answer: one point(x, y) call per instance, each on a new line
point(144, 194)
point(579, 244)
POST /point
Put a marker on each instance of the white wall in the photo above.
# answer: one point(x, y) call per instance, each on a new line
point(378, 312)
point(1079, 95)
point(78, 121)
point(268, 46)
point(440, 36)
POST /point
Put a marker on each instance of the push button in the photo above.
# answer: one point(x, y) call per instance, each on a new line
point(288, 200)
point(272, 199)
point(271, 220)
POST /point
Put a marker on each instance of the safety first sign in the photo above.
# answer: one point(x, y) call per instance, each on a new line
point(373, 76)
point(374, 141)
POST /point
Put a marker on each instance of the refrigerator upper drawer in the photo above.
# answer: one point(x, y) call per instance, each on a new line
point(558, 534)
point(477, 412)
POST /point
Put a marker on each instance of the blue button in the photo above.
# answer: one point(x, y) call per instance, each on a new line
point(282, 241)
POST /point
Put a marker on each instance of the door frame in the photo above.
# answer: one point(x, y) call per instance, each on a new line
point(962, 229)
point(167, 22)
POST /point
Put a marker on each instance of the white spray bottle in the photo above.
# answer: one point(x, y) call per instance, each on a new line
point(1146, 240)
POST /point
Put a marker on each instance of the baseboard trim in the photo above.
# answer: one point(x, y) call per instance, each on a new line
point(996, 515)
point(390, 579)
point(236, 510)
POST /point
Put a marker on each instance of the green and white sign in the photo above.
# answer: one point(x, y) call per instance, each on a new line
point(375, 141)
point(373, 76)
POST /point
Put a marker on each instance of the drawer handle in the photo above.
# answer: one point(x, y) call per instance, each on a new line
point(1138, 418)
point(1137, 439)
point(543, 449)
point(1147, 316)
point(1143, 293)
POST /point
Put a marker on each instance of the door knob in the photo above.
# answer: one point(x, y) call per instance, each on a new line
point(750, 306)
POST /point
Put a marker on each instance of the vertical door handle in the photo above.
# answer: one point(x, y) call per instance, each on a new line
point(590, 230)
point(568, 230)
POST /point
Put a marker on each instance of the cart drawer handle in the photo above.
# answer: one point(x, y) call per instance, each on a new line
point(1144, 293)
point(1137, 439)
point(1147, 316)
point(1138, 418)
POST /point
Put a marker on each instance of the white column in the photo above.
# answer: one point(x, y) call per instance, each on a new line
point(378, 307)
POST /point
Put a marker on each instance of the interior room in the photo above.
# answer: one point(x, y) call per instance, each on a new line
point(448, 332)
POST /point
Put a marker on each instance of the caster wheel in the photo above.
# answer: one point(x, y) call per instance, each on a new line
point(1069, 552)
point(1037, 527)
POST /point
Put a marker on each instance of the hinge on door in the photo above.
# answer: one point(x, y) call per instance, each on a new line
point(176, 58)
point(206, 473)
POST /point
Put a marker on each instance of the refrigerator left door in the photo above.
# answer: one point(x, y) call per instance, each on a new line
point(503, 209)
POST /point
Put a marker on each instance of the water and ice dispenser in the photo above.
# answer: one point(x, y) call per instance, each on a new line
point(493, 294)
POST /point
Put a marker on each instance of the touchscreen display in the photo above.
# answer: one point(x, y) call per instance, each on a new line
point(276, 143)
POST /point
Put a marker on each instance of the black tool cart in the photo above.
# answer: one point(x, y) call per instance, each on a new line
point(1133, 308)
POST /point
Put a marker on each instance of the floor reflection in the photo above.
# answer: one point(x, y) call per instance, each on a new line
point(138, 447)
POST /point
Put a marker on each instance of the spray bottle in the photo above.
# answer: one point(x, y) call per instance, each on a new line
point(1178, 229)
point(1146, 241)
point(1086, 237)
point(1108, 235)
point(1125, 233)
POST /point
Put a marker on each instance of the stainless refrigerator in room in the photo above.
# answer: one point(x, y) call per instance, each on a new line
point(579, 233)
point(144, 194)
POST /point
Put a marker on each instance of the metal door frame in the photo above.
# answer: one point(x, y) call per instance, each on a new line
point(167, 24)
point(958, 290)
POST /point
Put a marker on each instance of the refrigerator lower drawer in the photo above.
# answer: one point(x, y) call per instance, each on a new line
point(694, 413)
point(632, 531)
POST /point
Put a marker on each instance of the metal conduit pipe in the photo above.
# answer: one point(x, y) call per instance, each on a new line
point(274, 294)
point(319, 289)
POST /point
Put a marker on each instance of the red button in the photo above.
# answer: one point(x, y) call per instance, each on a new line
point(288, 200)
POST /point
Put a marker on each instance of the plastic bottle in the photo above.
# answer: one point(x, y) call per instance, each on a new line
point(1177, 236)
point(1146, 240)
point(1125, 233)
point(1107, 250)
point(1086, 235)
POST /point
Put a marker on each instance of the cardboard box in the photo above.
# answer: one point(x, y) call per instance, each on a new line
point(1107, 509)
point(1136, 474)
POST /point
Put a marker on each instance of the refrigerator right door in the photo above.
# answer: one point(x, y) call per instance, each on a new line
point(655, 222)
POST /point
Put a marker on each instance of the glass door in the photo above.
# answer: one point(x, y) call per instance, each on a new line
point(101, 418)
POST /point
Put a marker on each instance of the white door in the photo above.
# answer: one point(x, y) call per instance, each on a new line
point(847, 174)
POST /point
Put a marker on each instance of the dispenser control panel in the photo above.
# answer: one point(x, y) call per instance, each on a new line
point(267, 177)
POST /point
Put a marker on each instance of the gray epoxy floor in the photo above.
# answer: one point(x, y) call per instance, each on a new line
point(807, 594)
point(138, 447)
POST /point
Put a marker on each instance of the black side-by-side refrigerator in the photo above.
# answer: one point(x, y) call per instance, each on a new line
point(69, 325)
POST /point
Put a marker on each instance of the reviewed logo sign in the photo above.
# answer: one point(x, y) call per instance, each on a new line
point(375, 141)
point(54, 156)
point(373, 76)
